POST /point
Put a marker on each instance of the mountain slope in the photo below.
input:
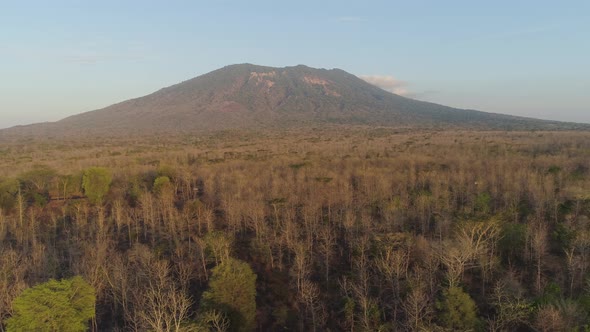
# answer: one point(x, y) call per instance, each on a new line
point(256, 97)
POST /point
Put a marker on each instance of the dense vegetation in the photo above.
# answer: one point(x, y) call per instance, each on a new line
point(354, 230)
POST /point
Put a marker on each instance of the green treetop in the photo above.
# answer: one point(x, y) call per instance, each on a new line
point(457, 310)
point(232, 290)
point(65, 306)
point(96, 183)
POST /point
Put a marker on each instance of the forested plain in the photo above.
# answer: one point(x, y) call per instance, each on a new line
point(353, 229)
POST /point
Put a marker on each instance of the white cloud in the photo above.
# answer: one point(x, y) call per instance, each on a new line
point(387, 83)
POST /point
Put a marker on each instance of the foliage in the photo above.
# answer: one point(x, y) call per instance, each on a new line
point(65, 305)
point(457, 310)
point(37, 183)
point(70, 185)
point(512, 241)
point(167, 171)
point(232, 290)
point(38, 179)
point(563, 236)
point(551, 294)
point(8, 191)
point(96, 183)
point(161, 184)
point(483, 203)
point(218, 246)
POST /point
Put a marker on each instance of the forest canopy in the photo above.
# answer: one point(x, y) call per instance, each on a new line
point(66, 305)
point(348, 230)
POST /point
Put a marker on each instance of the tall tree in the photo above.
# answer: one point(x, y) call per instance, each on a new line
point(96, 183)
point(232, 290)
point(66, 305)
point(457, 310)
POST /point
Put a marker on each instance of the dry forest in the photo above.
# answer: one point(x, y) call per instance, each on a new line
point(354, 229)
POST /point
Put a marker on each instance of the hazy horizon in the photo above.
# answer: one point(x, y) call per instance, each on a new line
point(526, 59)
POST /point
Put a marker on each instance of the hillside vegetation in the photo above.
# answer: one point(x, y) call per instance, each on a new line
point(343, 230)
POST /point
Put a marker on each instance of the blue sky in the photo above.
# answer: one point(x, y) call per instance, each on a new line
point(529, 58)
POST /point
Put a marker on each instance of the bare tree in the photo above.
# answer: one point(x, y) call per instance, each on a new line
point(162, 306)
point(147, 292)
point(539, 243)
point(510, 308)
point(309, 296)
point(393, 265)
point(216, 321)
point(417, 308)
point(472, 240)
point(13, 268)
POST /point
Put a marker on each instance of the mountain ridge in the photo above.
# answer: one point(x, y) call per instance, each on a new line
point(248, 96)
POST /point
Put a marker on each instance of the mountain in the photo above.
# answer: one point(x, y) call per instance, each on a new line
point(256, 97)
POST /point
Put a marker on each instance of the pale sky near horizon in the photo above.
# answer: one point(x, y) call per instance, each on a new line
point(528, 58)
